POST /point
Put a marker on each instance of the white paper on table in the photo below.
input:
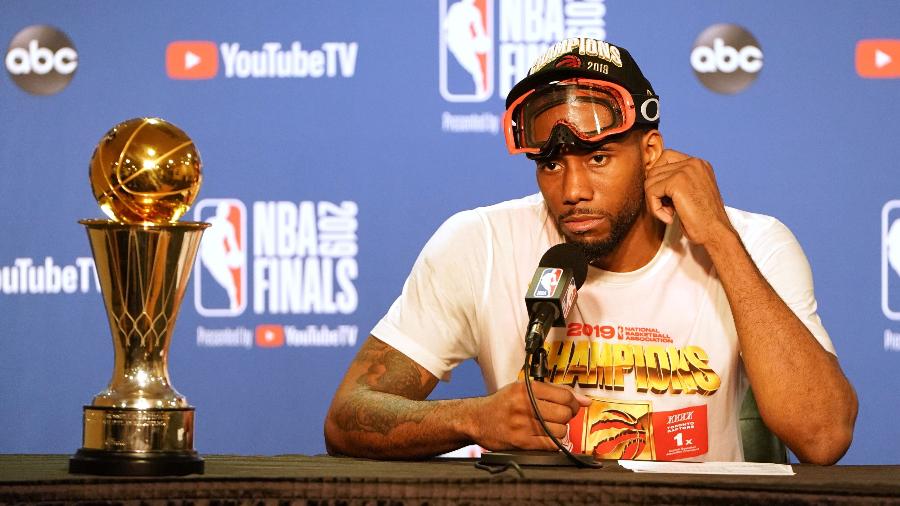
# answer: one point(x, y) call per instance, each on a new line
point(745, 468)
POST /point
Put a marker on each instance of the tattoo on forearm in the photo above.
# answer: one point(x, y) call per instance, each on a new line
point(390, 371)
point(381, 415)
point(390, 386)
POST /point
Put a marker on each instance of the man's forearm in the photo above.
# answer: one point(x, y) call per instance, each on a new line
point(380, 411)
point(801, 391)
point(374, 424)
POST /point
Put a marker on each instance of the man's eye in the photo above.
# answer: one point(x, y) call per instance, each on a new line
point(599, 159)
point(549, 166)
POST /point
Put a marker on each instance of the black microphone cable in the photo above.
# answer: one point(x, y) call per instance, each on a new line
point(580, 462)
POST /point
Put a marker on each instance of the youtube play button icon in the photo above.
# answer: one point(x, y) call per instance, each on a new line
point(192, 59)
point(878, 58)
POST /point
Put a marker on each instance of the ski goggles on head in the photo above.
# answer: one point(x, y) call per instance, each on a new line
point(590, 109)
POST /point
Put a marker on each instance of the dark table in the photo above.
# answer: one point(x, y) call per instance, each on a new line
point(297, 479)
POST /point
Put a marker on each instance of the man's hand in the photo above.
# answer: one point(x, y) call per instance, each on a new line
point(687, 185)
point(505, 420)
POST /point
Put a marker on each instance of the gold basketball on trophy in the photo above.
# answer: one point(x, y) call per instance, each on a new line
point(145, 171)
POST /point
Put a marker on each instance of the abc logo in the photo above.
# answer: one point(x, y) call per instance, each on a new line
point(41, 60)
point(726, 58)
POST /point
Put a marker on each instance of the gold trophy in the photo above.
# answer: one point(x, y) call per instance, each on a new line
point(145, 174)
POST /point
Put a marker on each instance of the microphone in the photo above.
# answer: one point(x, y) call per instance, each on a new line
point(552, 291)
point(551, 294)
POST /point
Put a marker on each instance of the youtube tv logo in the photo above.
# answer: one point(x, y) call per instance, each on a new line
point(878, 58)
point(192, 59)
point(269, 336)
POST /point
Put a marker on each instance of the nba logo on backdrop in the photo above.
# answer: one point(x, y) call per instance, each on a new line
point(890, 260)
point(467, 50)
point(220, 274)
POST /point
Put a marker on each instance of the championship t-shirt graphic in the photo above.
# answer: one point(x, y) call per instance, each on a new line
point(618, 428)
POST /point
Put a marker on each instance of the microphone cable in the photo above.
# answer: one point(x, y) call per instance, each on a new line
point(585, 461)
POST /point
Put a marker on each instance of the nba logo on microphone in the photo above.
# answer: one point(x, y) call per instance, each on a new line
point(466, 50)
point(220, 274)
point(890, 260)
point(547, 285)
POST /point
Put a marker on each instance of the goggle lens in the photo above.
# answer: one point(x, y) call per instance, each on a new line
point(592, 110)
point(586, 113)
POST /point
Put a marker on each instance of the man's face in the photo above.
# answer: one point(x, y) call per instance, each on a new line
point(596, 195)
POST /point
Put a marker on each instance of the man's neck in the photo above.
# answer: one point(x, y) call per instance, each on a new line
point(637, 248)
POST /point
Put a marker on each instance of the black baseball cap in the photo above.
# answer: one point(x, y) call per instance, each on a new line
point(592, 59)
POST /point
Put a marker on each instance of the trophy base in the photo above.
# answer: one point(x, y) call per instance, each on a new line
point(108, 463)
point(137, 442)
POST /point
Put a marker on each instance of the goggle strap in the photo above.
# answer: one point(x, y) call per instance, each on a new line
point(646, 109)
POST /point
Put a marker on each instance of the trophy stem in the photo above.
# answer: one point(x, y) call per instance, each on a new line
point(140, 425)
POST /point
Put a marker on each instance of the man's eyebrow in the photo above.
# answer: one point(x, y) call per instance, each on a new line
point(611, 145)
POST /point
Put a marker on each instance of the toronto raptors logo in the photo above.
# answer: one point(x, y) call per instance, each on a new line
point(614, 430)
point(621, 435)
point(570, 60)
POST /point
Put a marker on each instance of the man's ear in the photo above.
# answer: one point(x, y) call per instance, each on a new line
point(652, 147)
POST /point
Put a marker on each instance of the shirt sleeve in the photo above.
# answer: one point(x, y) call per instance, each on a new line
point(781, 260)
point(433, 320)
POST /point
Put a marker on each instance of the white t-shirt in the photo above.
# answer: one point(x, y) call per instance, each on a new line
point(655, 348)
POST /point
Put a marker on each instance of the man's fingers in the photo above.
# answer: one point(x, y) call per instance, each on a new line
point(660, 172)
point(670, 156)
point(556, 394)
point(664, 213)
point(553, 412)
point(582, 399)
point(514, 424)
point(660, 202)
point(691, 166)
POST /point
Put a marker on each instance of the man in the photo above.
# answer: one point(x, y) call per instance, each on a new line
point(685, 300)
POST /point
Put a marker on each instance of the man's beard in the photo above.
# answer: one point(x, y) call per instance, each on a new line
point(619, 225)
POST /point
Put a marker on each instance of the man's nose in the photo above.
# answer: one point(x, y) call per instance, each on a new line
point(576, 184)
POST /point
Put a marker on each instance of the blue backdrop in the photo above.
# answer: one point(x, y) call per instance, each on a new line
point(379, 134)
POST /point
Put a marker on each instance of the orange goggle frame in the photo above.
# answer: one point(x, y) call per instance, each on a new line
point(591, 109)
